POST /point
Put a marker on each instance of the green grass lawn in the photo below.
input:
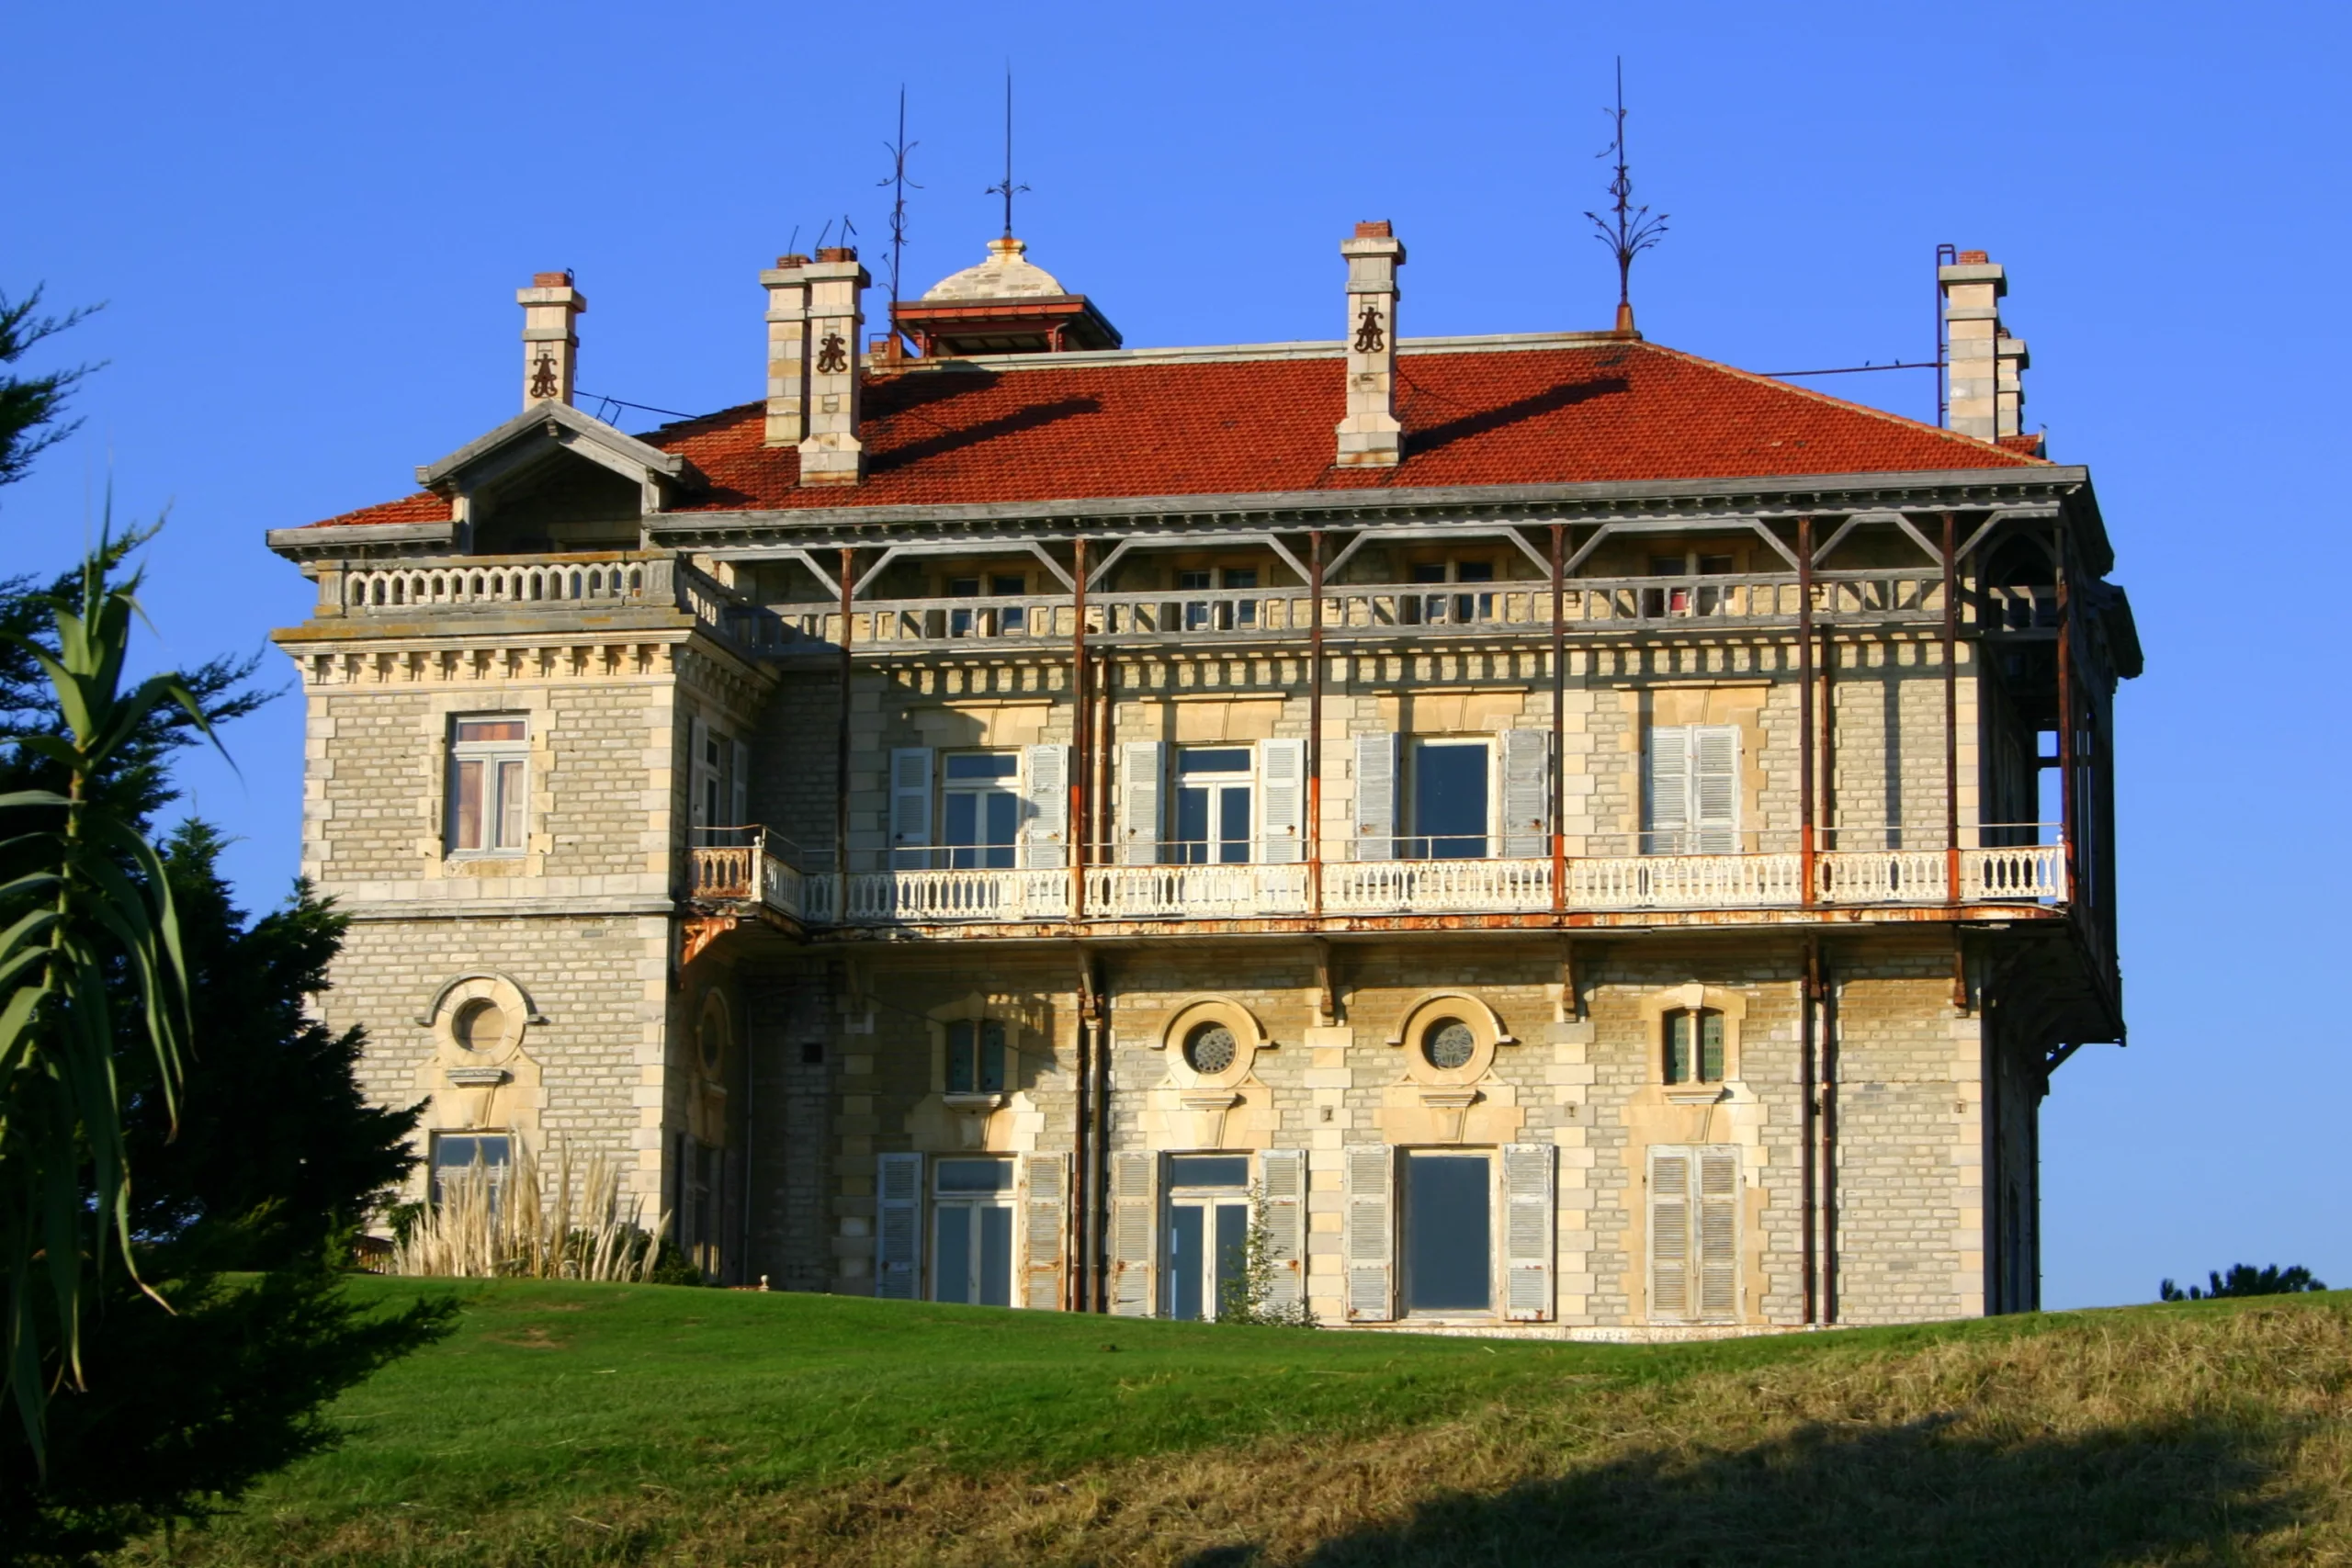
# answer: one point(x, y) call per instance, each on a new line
point(603, 1423)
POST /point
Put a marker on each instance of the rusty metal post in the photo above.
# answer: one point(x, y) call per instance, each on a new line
point(2067, 719)
point(1078, 749)
point(1560, 720)
point(1315, 722)
point(1951, 711)
point(1805, 846)
point(841, 761)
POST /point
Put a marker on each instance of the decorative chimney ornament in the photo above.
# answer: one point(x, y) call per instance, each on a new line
point(1369, 338)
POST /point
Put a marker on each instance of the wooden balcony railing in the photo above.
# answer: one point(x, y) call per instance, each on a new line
point(2025, 873)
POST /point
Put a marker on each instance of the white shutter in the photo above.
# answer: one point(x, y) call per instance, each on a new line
point(1135, 1225)
point(898, 1227)
point(1714, 790)
point(910, 806)
point(1718, 1234)
point(1376, 796)
point(1282, 801)
point(1529, 1218)
point(1667, 785)
point(698, 772)
point(1284, 1174)
point(1369, 1232)
point(1527, 782)
point(1142, 767)
point(1045, 779)
point(740, 785)
point(1045, 1229)
point(1670, 1235)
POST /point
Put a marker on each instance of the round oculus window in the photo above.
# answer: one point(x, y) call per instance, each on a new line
point(479, 1024)
point(1448, 1043)
point(1210, 1048)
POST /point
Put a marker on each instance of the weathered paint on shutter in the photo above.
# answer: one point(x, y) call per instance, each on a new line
point(697, 772)
point(1527, 785)
point(1714, 790)
point(1719, 1233)
point(1133, 1227)
point(1283, 1175)
point(1045, 1207)
point(1281, 802)
point(898, 1227)
point(910, 808)
point(1666, 781)
point(1045, 779)
point(1376, 796)
point(740, 782)
point(1369, 1232)
point(1530, 1219)
point(1142, 767)
point(1670, 1235)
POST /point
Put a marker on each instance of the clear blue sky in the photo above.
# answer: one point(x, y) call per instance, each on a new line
point(308, 222)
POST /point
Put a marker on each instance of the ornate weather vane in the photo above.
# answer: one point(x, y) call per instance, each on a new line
point(898, 182)
point(1629, 230)
point(1007, 189)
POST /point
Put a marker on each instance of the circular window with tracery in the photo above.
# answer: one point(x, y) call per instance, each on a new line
point(1210, 1049)
point(1448, 1043)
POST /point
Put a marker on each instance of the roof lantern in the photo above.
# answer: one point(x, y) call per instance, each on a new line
point(1008, 304)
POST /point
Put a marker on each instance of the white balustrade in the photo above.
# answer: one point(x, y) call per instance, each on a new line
point(1684, 882)
point(929, 897)
point(2023, 873)
point(1437, 887)
point(1196, 892)
point(1881, 876)
point(368, 590)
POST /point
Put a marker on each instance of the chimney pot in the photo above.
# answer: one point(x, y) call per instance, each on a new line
point(1374, 229)
point(1372, 436)
point(838, 253)
point(1971, 258)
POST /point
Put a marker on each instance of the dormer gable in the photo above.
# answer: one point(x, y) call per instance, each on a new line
point(555, 478)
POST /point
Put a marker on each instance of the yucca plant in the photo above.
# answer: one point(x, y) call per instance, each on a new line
point(88, 912)
point(532, 1224)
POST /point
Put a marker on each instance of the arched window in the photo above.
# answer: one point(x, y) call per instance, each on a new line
point(1694, 1045)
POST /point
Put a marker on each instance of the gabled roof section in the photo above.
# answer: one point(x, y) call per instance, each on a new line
point(551, 421)
point(1143, 424)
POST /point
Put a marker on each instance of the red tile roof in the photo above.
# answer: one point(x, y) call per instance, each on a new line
point(1626, 411)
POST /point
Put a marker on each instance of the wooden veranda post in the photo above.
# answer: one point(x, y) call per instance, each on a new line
point(1559, 719)
point(1315, 722)
point(1952, 710)
point(841, 758)
point(1806, 848)
point(1075, 833)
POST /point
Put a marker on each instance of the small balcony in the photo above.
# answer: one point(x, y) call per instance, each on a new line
point(756, 872)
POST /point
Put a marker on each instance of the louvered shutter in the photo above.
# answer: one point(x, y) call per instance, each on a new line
point(1134, 1228)
point(1284, 1173)
point(1714, 790)
point(1719, 1233)
point(1376, 796)
point(698, 772)
point(1527, 783)
point(1667, 785)
point(1142, 766)
point(1669, 1235)
point(1369, 1232)
point(731, 1217)
point(910, 808)
point(684, 1217)
point(898, 1227)
point(1282, 805)
point(1046, 781)
point(739, 790)
point(1045, 1206)
point(1529, 1218)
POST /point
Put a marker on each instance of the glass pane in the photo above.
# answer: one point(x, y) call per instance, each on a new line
point(996, 1256)
point(951, 1258)
point(1715, 566)
point(1242, 577)
point(1213, 759)
point(1232, 1254)
point(983, 765)
point(1666, 566)
point(1450, 801)
point(1473, 571)
point(465, 813)
point(963, 587)
point(1448, 1232)
point(470, 730)
point(1191, 827)
point(991, 1057)
point(1710, 1047)
point(961, 1058)
point(973, 1175)
point(1677, 1047)
point(1003, 823)
point(1192, 579)
point(1233, 825)
point(1429, 571)
point(1208, 1170)
point(961, 817)
point(1185, 1248)
point(510, 805)
point(1008, 585)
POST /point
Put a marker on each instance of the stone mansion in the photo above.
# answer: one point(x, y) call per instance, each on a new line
point(1559, 836)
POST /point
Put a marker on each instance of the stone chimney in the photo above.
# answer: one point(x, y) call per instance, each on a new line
point(787, 287)
point(1986, 395)
point(1370, 437)
point(551, 309)
point(831, 453)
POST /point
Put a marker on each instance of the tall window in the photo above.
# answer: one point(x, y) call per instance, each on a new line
point(975, 1056)
point(971, 1232)
point(1692, 785)
point(980, 815)
point(1450, 800)
point(1694, 1045)
point(1449, 1231)
point(488, 774)
point(470, 1156)
point(1208, 1244)
point(1213, 789)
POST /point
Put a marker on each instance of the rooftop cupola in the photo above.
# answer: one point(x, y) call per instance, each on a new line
point(1008, 304)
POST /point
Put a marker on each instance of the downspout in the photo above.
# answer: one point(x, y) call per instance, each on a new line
point(1078, 725)
point(1805, 847)
point(1826, 993)
point(1952, 722)
point(1556, 800)
point(1315, 724)
point(1808, 1176)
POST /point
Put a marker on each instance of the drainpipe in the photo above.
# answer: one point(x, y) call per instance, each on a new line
point(1806, 848)
point(1078, 726)
point(1315, 724)
point(1808, 1176)
point(1951, 715)
point(1559, 722)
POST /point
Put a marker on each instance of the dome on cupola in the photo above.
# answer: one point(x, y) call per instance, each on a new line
point(1008, 304)
point(1007, 274)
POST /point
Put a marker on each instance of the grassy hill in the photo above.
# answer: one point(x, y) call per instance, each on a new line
point(593, 1424)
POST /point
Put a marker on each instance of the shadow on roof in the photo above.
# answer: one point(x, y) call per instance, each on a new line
point(1032, 418)
point(1420, 442)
